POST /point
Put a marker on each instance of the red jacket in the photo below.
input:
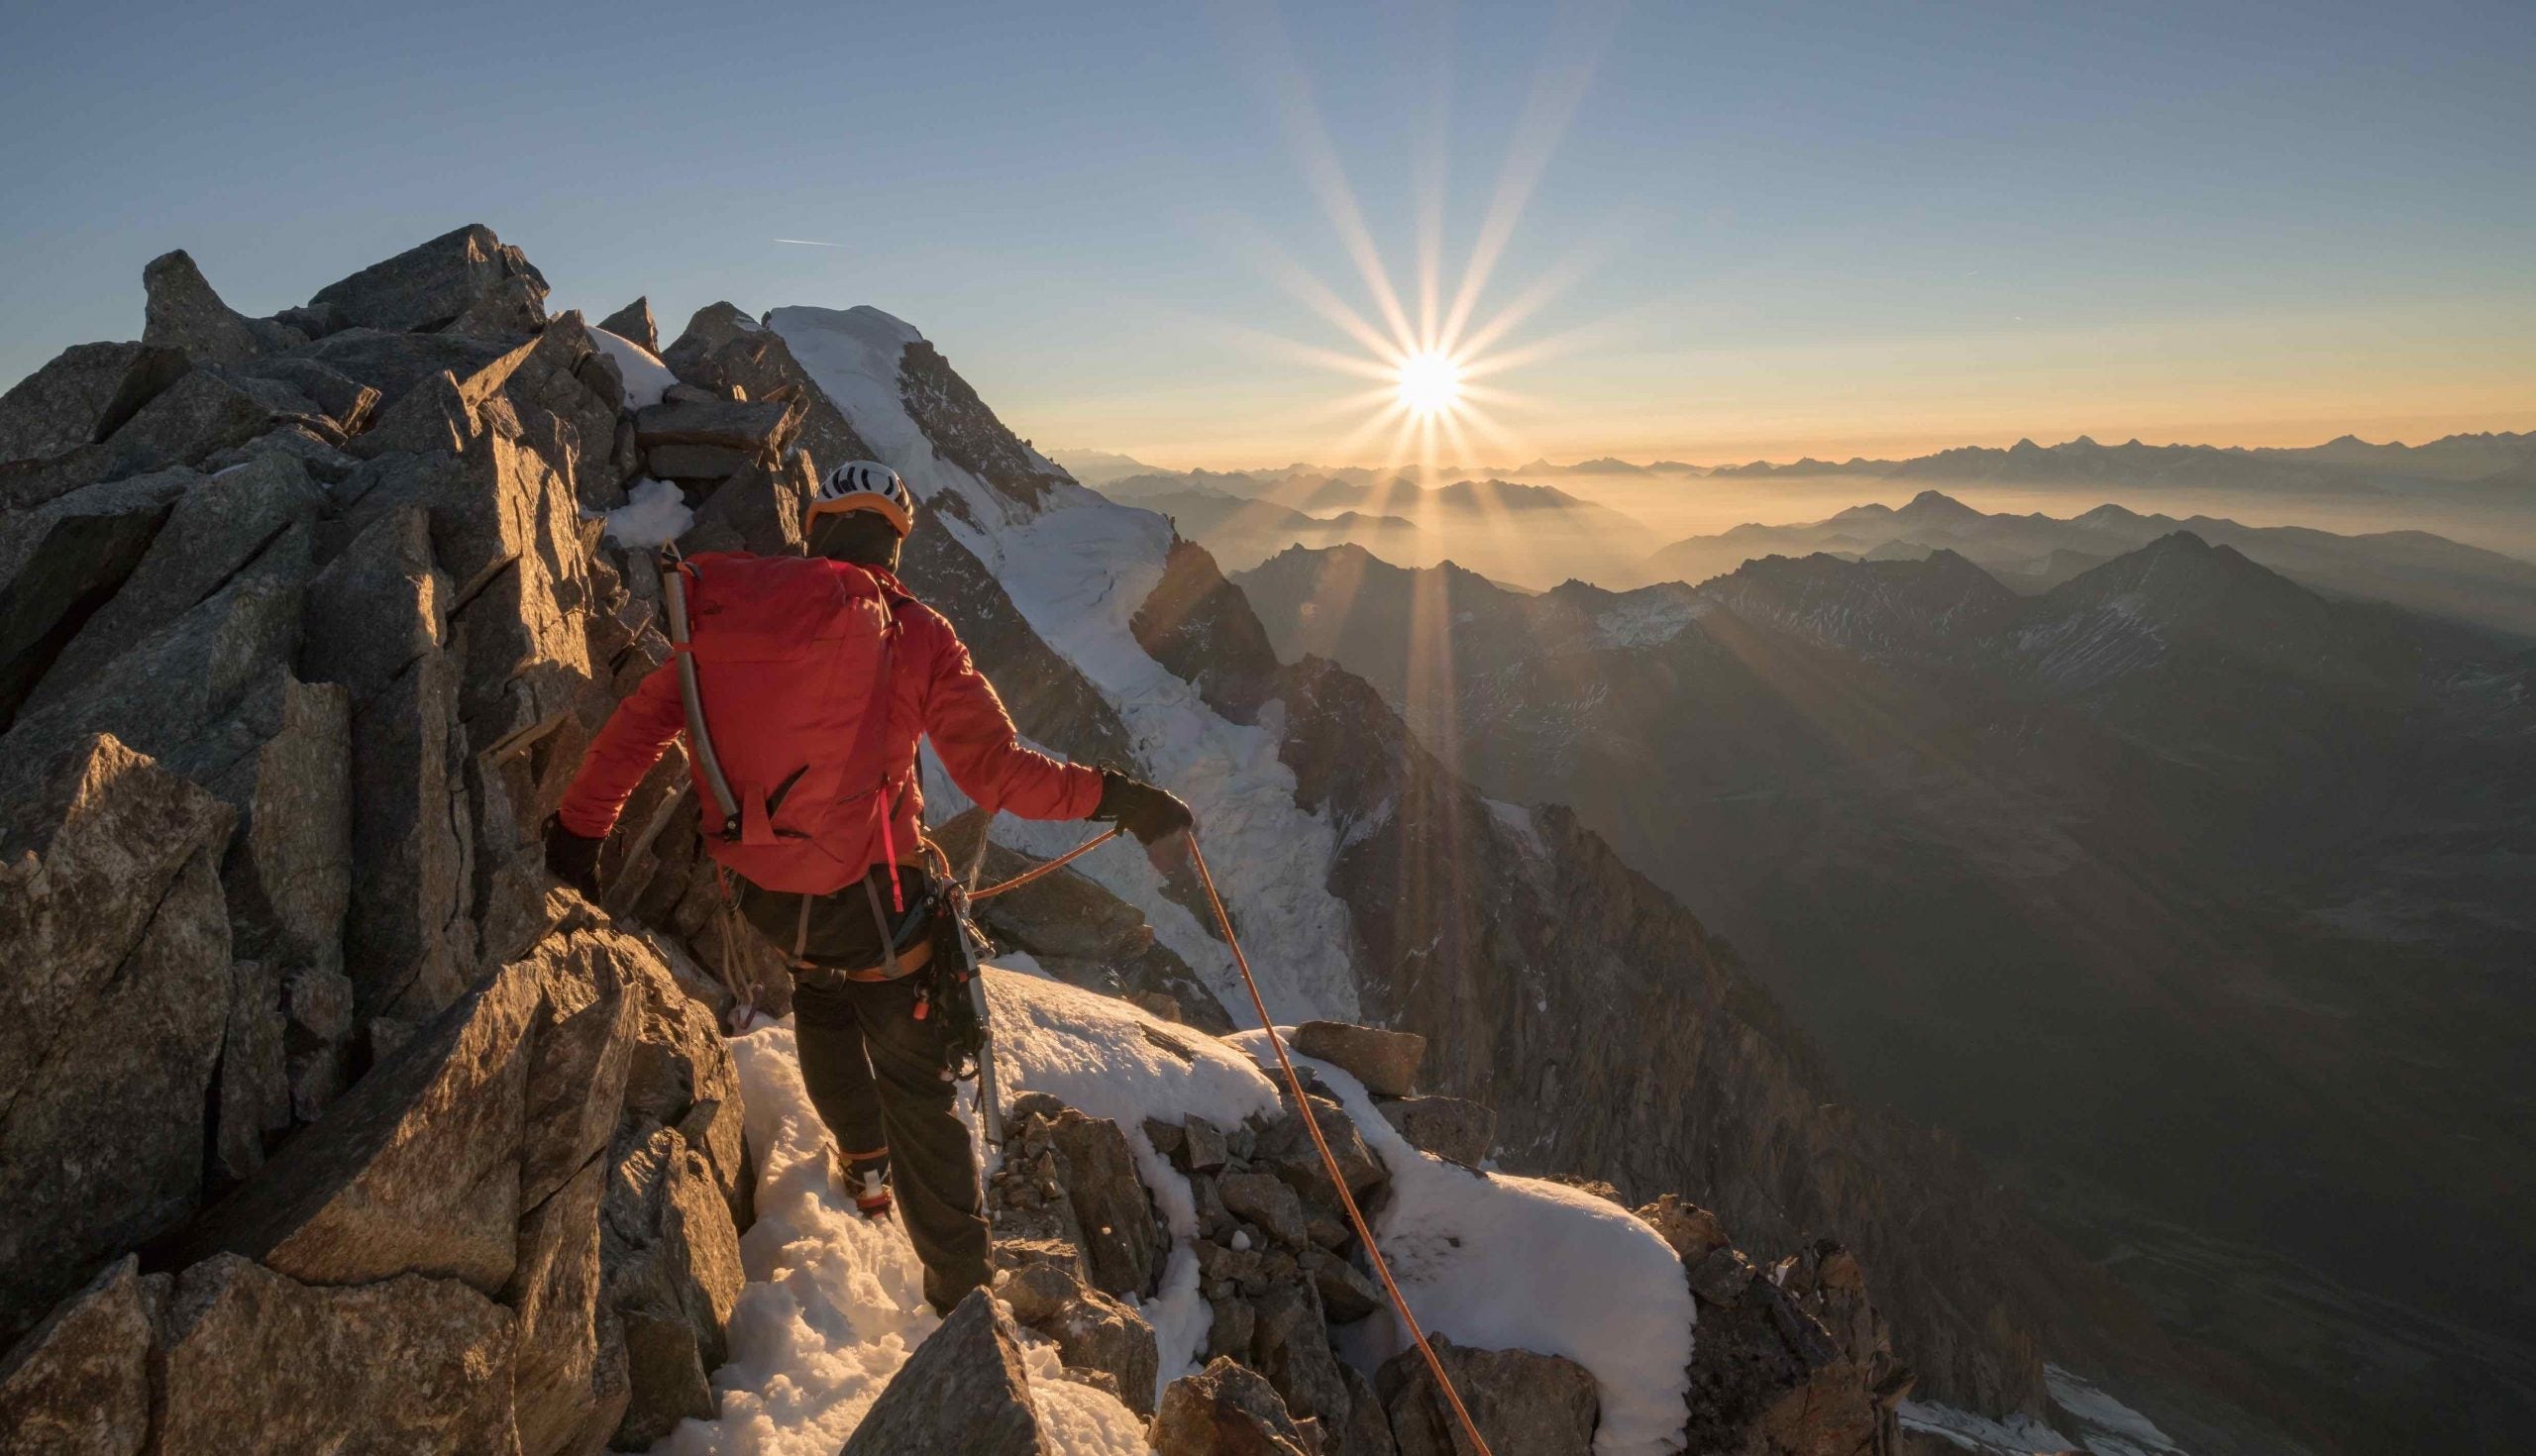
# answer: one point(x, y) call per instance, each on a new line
point(938, 693)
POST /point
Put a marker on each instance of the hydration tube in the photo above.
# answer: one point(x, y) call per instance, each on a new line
point(698, 740)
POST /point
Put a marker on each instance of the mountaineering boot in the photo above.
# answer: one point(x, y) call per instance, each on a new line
point(865, 1178)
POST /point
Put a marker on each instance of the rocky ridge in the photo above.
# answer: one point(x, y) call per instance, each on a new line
point(307, 623)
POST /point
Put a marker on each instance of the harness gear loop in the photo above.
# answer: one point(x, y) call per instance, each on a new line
point(1303, 1105)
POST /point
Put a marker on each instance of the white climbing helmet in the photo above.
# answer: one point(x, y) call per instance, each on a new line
point(864, 485)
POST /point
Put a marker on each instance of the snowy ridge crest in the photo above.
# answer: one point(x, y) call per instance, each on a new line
point(1077, 567)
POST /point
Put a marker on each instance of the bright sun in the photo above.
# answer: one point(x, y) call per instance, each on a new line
point(1431, 383)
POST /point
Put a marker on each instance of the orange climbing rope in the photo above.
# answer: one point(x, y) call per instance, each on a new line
point(1364, 1231)
point(1048, 866)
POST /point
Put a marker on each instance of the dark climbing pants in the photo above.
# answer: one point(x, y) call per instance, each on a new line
point(875, 1072)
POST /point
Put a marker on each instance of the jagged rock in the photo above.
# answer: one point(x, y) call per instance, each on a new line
point(581, 1050)
point(1092, 1331)
point(1170, 1139)
point(1230, 1327)
point(634, 322)
point(433, 285)
point(1291, 1347)
point(1386, 1061)
point(756, 510)
point(288, 877)
point(1207, 1148)
point(397, 364)
point(78, 1384)
point(1692, 1230)
point(199, 694)
point(756, 430)
point(112, 1003)
point(564, 1398)
point(1722, 1277)
point(205, 410)
point(213, 532)
point(695, 461)
point(82, 395)
point(963, 1390)
point(378, 606)
point(346, 400)
point(1286, 1148)
point(415, 1170)
point(670, 1262)
point(61, 561)
point(708, 330)
point(1367, 1430)
point(1346, 1292)
point(1124, 1247)
point(317, 1032)
point(1453, 1128)
point(255, 1082)
point(1226, 1410)
point(296, 441)
point(411, 1364)
point(408, 942)
point(1265, 1200)
point(184, 312)
point(1768, 1380)
point(1520, 1400)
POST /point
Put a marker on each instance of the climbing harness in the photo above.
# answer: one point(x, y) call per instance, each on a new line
point(1355, 1215)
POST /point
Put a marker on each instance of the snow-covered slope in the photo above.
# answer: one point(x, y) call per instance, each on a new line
point(1077, 566)
point(834, 1304)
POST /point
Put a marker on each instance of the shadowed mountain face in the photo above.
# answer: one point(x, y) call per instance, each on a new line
point(2417, 569)
point(2194, 896)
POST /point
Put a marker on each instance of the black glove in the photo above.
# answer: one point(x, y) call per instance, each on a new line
point(573, 858)
point(1148, 812)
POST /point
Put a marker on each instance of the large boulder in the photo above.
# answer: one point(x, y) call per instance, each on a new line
point(1454, 1129)
point(1539, 1404)
point(1769, 1379)
point(566, 1392)
point(214, 529)
point(669, 1271)
point(394, 363)
point(466, 281)
point(415, 1170)
point(184, 313)
point(78, 1385)
point(1124, 1244)
point(1092, 1332)
point(756, 510)
point(82, 395)
point(963, 1390)
point(1226, 1410)
point(411, 1364)
point(200, 693)
point(1386, 1061)
point(113, 1000)
point(635, 324)
point(1291, 1346)
point(61, 561)
point(346, 401)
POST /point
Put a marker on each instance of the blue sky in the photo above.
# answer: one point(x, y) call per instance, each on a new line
point(1817, 228)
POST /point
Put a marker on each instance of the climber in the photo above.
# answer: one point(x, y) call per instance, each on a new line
point(818, 676)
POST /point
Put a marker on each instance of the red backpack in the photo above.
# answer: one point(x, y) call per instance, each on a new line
point(792, 658)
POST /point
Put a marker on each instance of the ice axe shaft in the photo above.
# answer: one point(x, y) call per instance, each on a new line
point(990, 1105)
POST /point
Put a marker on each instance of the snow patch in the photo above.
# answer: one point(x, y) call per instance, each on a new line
point(1077, 566)
point(1503, 1263)
point(835, 1304)
point(646, 378)
point(655, 514)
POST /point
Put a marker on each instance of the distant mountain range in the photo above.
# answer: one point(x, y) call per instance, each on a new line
point(2346, 463)
point(1519, 530)
point(2034, 552)
point(2196, 895)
